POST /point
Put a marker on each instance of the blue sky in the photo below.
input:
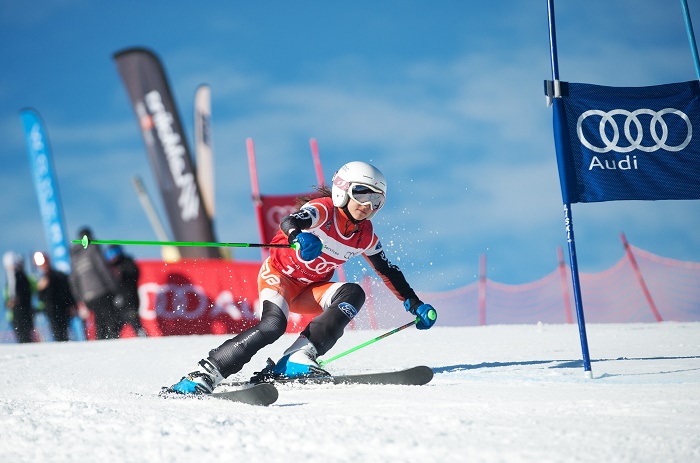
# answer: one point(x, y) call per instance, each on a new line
point(445, 97)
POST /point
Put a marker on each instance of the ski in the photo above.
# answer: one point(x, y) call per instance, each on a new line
point(414, 376)
point(251, 394)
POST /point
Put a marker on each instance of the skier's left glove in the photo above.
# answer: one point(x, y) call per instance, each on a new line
point(425, 312)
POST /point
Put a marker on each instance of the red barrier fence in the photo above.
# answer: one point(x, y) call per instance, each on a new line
point(640, 287)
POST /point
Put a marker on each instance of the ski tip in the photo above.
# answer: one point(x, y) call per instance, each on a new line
point(268, 393)
point(423, 374)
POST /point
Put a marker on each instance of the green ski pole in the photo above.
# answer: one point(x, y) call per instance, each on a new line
point(85, 242)
point(371, 341)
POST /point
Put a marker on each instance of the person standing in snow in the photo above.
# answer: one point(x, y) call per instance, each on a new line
point(94, 286)
point(325, 233)
point(18, 297)
point(54, 291)
point(126, 299)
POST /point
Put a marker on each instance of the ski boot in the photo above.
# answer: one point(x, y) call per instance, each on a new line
point(203, 380)
point(297, 363)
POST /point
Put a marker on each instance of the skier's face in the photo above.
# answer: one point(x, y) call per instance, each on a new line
point(359, 211)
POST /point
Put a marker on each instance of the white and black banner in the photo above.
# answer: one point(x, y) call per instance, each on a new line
point(154, 105)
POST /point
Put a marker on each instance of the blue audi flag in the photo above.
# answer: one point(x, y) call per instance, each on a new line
point(626, 143)
point(44, 176)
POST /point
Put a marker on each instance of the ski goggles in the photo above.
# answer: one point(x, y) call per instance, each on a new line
point(366, 195)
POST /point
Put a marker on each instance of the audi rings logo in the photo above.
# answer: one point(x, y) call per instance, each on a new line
point(658, 130)
point(321, 266)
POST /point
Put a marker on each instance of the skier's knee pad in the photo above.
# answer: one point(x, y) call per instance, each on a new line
point(324, 330)
point(351, 293)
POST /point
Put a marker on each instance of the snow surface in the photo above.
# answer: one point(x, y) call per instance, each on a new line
point(510, 393)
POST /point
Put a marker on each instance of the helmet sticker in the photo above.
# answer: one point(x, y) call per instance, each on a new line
point(340, 183)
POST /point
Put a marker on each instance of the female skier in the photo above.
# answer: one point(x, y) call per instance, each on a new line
point(324, 233)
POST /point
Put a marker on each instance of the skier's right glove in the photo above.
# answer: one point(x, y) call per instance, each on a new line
point(308, 244)
point(425, 312)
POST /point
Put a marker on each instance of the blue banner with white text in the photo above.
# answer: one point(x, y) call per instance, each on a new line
point(627, 143)
point(43, 174)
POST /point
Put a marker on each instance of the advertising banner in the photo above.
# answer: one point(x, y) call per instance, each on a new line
point(628, 143)
point(167, 148)
point(207, 296)
point(203, 148)
point(44, 177)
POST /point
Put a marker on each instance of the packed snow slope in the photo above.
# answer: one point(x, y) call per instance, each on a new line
point(510, 393)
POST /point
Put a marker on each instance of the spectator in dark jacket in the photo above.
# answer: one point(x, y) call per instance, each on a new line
point(94, 286)
point(126, 273)
point(54, 291)
point(19, 297)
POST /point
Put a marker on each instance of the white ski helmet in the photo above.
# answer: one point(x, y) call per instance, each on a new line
point(358, 173)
